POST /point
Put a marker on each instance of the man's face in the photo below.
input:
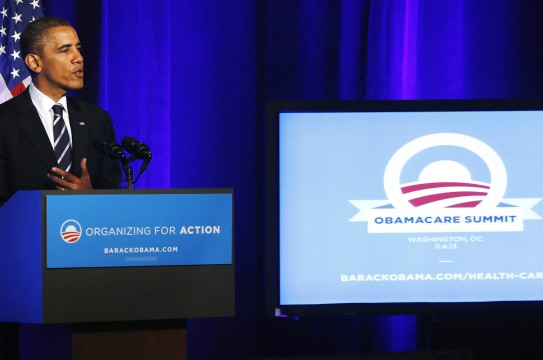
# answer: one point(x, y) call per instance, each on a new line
point(60, 64)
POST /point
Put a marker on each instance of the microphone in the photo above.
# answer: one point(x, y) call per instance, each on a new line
point(114, 151)
point(139, 151)
point(136, 148)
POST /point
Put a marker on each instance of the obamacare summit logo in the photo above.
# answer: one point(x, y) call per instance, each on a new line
point(70, 231)
point(445, 198)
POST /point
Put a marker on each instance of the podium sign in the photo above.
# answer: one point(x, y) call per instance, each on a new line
point(138, 230)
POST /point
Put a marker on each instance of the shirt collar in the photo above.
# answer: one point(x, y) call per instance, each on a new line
point(42, 102)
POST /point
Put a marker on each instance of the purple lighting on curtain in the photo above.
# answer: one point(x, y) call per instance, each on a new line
point(409, 51)
point(401, 334)
point(457, 52)
point(135, 79)
point(104, 60)
point(352, 55)
point(419, 50)
point(388, 54)
point(442, 64)
point(395, 333)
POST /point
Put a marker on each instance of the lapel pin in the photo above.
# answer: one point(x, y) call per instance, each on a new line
point(81, 123)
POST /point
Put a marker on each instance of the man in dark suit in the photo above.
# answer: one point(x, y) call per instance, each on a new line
point(28, 160)
point(52, 52)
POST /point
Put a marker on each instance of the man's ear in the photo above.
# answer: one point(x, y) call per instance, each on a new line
point(33, 62)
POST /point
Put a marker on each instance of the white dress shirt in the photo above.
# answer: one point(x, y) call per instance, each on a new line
point(44, 105)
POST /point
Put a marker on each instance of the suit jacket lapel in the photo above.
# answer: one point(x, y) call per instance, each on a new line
point(79, 135)
point(31, 125)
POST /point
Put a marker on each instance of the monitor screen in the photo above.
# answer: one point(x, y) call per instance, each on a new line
point(405, 203)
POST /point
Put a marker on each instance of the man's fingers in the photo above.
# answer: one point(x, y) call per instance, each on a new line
point(60, 183)
point(62, 178)
point(84, 170)
point(85, 177)
point(65, 180)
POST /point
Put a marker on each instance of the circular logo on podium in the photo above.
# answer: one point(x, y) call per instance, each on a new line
point(70, 231)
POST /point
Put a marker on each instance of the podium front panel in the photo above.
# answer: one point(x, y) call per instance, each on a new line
point(104, 286)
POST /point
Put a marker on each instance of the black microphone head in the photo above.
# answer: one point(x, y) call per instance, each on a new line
point(129, 143)
point(136, 148)
point(113, 150)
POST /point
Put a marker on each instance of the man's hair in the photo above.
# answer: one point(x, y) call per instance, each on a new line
point(34, 36)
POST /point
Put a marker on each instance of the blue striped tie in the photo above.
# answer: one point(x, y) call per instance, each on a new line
point(63, 149)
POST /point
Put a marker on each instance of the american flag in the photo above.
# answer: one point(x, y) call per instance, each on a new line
point(14, 16)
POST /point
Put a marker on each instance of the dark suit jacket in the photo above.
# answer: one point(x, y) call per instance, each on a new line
point(26, 154)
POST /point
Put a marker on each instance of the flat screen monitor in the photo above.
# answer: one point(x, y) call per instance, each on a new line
point(403, 206)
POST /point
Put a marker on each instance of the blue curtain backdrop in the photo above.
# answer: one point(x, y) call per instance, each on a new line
point(190, 78)
point(135, 75)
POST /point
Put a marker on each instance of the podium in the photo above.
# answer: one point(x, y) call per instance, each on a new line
point(120, 260)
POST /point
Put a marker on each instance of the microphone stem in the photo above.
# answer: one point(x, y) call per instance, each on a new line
point(129, 177)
